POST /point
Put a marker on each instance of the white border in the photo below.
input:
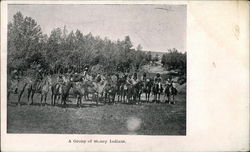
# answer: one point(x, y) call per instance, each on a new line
point(217, 97)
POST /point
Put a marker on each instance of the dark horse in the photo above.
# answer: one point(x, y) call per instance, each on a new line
point(111, 88)
point(122, 89)
point(110, 91)
point(169, 92)
point(157, 91)
point(147, 87)
point(134, 92)
point(65, 91)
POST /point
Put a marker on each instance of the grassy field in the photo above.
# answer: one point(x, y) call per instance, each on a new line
point(141, 119)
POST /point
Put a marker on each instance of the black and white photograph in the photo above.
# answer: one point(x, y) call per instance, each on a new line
point(96, 69)
point(124, 76)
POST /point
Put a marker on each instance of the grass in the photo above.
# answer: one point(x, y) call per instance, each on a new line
point(140, 119)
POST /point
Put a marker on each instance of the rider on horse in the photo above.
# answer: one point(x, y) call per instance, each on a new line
point(144, 77)
point(157, 79)
point(129, 79)
point(99, 78)
point(60, 79)
point(134, 79)
point(38, 79)
point(14, 80)
point(169, 82)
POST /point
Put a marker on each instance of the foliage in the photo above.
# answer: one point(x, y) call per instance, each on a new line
point(62, 51)
point(174, 60)
point(71, 51)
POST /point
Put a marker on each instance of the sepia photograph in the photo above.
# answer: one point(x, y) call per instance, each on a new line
point(96, 69)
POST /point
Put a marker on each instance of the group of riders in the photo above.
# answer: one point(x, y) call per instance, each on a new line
point(128, 81)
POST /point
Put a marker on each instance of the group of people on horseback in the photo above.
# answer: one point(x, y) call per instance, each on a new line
point(126, 87)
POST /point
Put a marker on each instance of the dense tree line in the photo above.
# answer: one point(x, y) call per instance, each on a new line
point(62, 51)
point(174, 59)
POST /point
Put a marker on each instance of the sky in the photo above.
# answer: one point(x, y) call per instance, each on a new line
point(155, 27)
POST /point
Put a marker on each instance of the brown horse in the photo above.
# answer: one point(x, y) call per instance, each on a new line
point(147, 88)
point(169, 92)
point(56, 89)
point(96, 89)
point(111, 88)
point(110, 91)
point(16, 87)
point(38, 86)
point(65, 88)
point(157, 91)
point(78, 90)
point(45, 87)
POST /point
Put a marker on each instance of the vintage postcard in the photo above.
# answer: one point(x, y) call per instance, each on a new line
point(124, 76)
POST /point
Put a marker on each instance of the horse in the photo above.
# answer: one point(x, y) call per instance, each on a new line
point(147, 87)
point(78, 90)
point(86, 79)
point(47, 82)
point(95, 88)
point(56, 89)
point(134, 92)
point(110, 91)
point(16, 86)
point(12, 87)
point(111, 88)
point(157, 90)
point(122, 89)
point(65, 88)
point(137, 90)
point(169, 92)
point(36, 86)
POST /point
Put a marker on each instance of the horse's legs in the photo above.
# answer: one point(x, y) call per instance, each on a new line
point(41, 99)
point(77, 100)
point(118, 96)
point(173, 99)
point(52, 96)
point(148, 96)
point(32, 95)
point(62, 99)
point(169, 97)
point(105, 97)
point(29, 93)
point(97, 100)
point(20, 95)
point(45, 98)
point(54, 99)
point(114, 97)
point(139, 98)
point(80, 100)
point(159, 97)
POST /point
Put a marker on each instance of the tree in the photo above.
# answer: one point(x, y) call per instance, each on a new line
point(127, 43)
point(139, 47)
point(174, 60)
point(24, 38)
point(63, 49)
